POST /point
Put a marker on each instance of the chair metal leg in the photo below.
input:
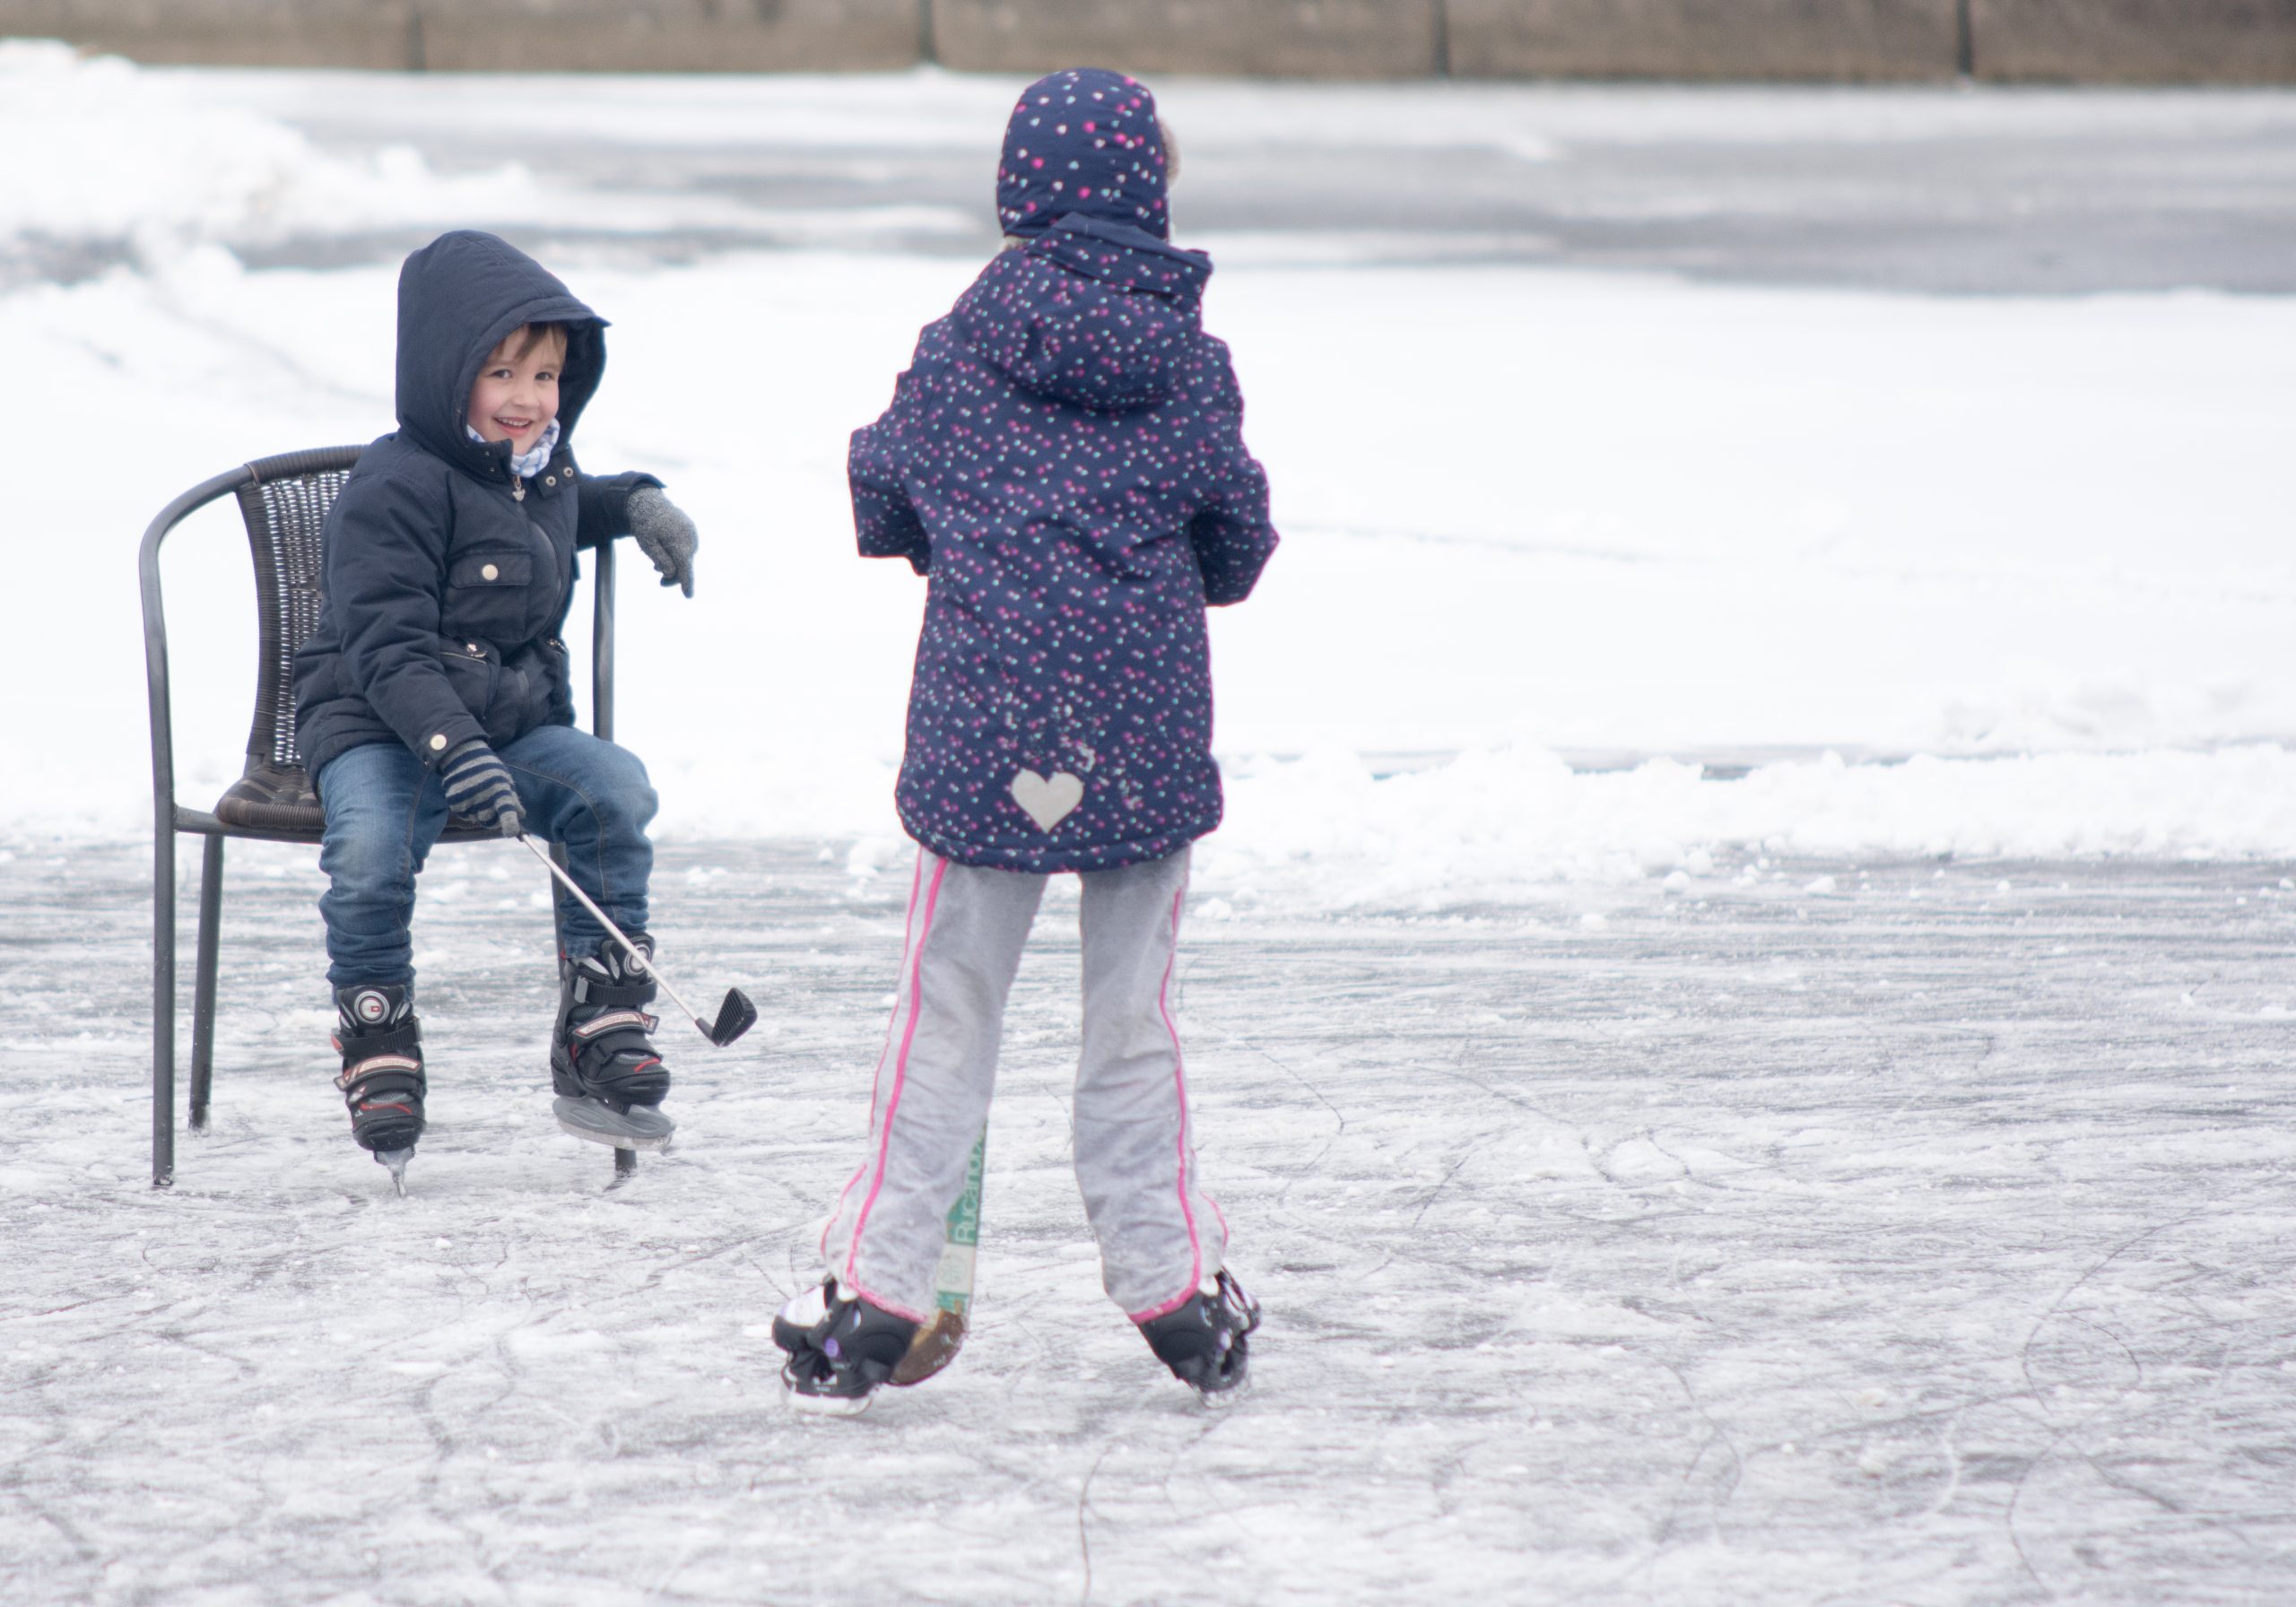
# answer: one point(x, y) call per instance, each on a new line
point(203, 987)
point(163, 1002)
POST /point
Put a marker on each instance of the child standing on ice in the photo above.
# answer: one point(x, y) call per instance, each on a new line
point(1063, 460)
point(435, 683)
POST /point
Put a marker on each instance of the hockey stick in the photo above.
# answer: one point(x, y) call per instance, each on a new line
point(934, 1345)
point(735, 1016)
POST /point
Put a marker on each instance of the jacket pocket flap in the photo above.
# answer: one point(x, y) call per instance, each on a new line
point(490, 569)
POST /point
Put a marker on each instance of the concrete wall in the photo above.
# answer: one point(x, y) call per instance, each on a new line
point(721, 36)
point(733, 36)
point(2134, 42)
point(1291, 38)
point(1822, 40)
point(347, 33)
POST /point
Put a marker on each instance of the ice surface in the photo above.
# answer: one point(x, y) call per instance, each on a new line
point(1927, 1241)
point(1955, 189)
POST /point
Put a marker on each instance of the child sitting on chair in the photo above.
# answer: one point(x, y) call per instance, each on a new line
point(435, 683)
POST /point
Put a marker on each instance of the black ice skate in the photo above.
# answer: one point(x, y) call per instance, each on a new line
point(1205, 1342)
point(841, 1348)
point(380, 1040)
point(602, 1066)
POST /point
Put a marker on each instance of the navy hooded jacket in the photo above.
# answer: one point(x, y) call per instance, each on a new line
point(1065, 459)
point(446, 578)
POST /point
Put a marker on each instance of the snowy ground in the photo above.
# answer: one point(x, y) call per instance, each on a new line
point(1736, 1009)
point(1913, 1236)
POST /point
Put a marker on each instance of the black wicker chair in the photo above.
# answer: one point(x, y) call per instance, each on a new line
point(283, 501)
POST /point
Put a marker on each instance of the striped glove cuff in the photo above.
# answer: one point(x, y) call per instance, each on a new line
point(479, 788)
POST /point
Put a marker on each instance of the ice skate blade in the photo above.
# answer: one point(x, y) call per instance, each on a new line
point(394, 1163)
point(1221, 1399)
point(829, 1405)
point(640, 1127)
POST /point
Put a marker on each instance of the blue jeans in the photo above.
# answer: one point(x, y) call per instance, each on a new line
point(384, 809)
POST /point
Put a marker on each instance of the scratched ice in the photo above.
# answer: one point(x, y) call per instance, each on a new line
point(1926, 1241)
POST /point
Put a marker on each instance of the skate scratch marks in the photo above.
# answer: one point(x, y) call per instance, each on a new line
point(1084, 1530)
point(1949, 1445)
point(1313, 1166)
point(2034, 1389)
point(453, 1510)
point(1719, 1495)
point(1444, 1182)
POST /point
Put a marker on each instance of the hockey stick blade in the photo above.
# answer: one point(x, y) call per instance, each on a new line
point(735, 1016)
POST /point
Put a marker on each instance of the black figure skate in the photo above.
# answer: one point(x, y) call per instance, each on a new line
point(841, 1348)
point(1206, 1342)
point(380, 1040)
point(609, 1080)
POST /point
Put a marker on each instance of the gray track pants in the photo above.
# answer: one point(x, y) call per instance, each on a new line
point(1159, 1234)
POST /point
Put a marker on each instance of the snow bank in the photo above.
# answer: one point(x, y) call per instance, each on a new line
point(1328, 831)
point(103, 161)
point(106, 161)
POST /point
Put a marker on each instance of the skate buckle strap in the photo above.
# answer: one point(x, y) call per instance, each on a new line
point(595, 982)
point(607, 1021)
point(376, 1062)
point(391, 1040)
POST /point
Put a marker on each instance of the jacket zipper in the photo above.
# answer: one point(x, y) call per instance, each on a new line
point(518, 487)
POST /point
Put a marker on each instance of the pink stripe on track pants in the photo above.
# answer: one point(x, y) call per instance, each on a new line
point(1160, 1233)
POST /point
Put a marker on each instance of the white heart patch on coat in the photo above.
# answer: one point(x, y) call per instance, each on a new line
point(1048, 802)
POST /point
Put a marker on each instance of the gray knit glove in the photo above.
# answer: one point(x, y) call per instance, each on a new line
point(665, 534)
point(479, 788)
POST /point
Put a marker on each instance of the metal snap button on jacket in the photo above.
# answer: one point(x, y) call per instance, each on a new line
point(489, 573)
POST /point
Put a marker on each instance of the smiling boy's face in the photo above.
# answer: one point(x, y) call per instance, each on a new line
point(516, 393)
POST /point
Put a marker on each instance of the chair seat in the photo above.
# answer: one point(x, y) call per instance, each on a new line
point(273, 798)
point(277, 800)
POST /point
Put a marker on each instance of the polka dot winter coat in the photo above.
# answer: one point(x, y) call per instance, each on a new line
point(1064, 460)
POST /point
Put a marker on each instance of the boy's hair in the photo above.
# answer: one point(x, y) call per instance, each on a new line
point(525, 337)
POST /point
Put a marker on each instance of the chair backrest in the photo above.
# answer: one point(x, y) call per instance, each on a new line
point(284, 501)
point(285, 508)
